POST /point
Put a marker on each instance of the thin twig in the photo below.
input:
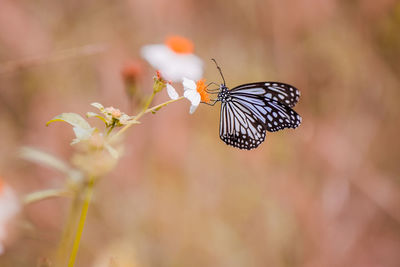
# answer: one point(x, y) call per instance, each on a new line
point(163, 104)
point(126, 127)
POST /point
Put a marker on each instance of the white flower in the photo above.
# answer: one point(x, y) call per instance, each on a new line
point(174, 59)
point(9, 206)
point(172, 92)
point(191, 93)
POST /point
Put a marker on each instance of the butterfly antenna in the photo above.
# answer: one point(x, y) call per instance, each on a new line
point(220, 71)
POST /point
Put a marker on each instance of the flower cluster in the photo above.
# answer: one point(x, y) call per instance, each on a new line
point(177, 63)
point(111, 116)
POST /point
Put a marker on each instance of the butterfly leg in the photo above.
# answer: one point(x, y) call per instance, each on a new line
point(212, 83)
point(212, 90)
point(215, 101)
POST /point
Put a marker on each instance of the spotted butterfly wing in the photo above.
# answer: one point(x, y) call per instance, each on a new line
point(278, 92)
point(249, 110)
point(239, 127)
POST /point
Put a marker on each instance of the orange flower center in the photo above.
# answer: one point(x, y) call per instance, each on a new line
point(201, 88)
point(180, 44)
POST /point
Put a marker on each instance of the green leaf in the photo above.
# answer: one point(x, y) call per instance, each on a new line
point(81, 127)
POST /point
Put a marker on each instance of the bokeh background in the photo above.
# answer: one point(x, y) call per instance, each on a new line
point(325, 194)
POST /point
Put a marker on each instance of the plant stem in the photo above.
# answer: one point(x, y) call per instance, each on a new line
point(65, 244)
point(88, 193)
point(126, 127)
point(146, 106)
point(163, 104)
point(144, 111)
point(111, 127)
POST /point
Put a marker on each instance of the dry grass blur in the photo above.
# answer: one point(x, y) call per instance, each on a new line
point(326, 194)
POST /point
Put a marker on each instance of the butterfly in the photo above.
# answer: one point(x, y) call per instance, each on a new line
point(251, 109)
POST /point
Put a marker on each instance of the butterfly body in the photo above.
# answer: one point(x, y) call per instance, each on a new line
point(249, 110)
point(223, 95)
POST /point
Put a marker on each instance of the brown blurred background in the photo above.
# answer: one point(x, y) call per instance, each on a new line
point(325, 194)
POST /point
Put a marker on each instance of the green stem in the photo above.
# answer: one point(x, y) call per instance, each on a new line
point(111, 127)
point(126, 127)
point(163, 104)
point(86, 201)
point(146, 106)
point(145, 111)
point(65, 244)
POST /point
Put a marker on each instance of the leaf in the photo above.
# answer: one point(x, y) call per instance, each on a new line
point(51, 161)
point(114, 153)
point(41, 157)
point(93, 114)
point(97, 105)
point(81, 127)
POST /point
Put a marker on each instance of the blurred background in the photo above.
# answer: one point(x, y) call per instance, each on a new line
point(325, 194)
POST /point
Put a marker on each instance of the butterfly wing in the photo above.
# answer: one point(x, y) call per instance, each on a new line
point(275, 91)
point(274, 115)
point(238, 126)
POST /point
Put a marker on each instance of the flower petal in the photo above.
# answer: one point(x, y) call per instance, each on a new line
point(173, 66)
point(157, 55)
point(180, 65)
point(9, 207)
point(172, 92)
point(197, 99)
point(189, 84)
point(193, 108)
point(193, 96)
